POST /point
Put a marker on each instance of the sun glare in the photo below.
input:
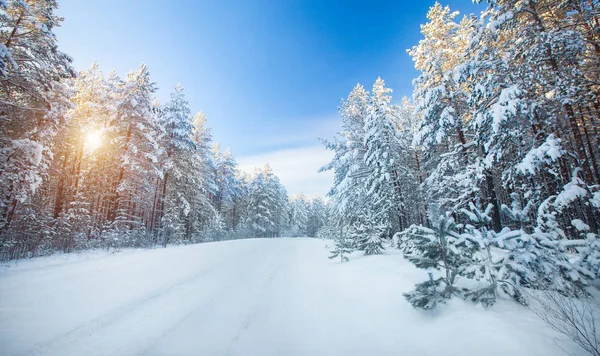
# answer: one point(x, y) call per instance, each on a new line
point(93, 139)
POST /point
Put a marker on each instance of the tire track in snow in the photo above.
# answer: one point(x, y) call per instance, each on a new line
point(216, 329)
point(144, 319)
point(69, 269)
point(256, 308)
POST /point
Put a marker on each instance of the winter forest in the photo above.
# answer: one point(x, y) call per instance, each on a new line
point(93, 160)
point(490, 173)
point(488, 178)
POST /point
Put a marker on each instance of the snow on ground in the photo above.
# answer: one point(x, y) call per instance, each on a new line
point(245, 297)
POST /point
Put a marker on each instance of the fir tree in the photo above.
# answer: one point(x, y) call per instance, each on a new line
point(435, 248)
point(368, 234)
point(33, 99)
point(342, 248)
point(381, 155)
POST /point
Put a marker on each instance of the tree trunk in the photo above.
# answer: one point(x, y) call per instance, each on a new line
point(493, 199)
point(58, 202)
point(570, 112)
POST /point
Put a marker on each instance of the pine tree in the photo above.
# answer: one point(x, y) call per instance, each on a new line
point(441, 102)
point(267, 203)
point(178, 187)
point(409, 173)
point(74, 224)
point(348, 192)
point(299, 215)
point(205, 162)
point(33, 98)
point(477, 243)
point(225, 178)
point(368, 233)
point(381, 156)
point(435, 248)
point(138, 132)
point(317, 216)
point(343, 247)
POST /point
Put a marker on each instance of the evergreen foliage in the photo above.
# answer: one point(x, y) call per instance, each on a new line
point(501, 140)
point(90, 160)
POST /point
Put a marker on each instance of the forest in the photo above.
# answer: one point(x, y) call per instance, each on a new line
point(484, 185)
point(490, 173)
point(90, 160)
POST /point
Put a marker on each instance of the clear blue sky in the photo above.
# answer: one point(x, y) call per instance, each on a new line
point(269, 74)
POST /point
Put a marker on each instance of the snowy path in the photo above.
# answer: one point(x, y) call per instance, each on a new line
point(248, 297)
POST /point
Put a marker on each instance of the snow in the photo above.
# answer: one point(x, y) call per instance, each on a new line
point(580, 225)
point(245, 297)
point(494, 24)
point(33, 150)
point(6, 56)
point(506, 107)
point(571, 191)
point(595, 201)
point(548, 152)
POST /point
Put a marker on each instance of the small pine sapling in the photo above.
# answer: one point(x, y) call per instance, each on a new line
point(342, 248)
point(498, 260)
point(478, 241)
point(435, 248)
point(369, 235)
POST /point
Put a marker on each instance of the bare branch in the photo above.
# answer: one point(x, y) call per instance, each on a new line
point(574, 318)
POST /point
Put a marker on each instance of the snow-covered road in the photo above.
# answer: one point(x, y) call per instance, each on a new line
point(246, 297)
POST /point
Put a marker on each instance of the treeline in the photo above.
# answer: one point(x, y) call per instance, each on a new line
point(88, 160)
point(307, 216)
point(491, 172)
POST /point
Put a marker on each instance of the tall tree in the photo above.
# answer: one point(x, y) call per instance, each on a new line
point(179, 187)
point(33, 98)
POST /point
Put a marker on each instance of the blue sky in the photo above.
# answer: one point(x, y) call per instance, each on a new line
point(269, 74)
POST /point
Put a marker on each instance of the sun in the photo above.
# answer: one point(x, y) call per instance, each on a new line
point(93, 139)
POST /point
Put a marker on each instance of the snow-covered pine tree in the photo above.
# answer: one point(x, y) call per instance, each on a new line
point(281, 207)
point(33, 99)
point(441, 103)
point(179, 187)
point(435, 248)
point(381, 157)
point(528, 260)
point(267, 203)
point(330, 229)
point(73, 225)
point(299, 215)
point(343, 246)
point(538, 126)
point(225, 178)
point(348, 194)
point(410, 206)
point(477, 242)
point(206, 167)
point(368, 233)
point(317, 216)
point(570, 275)
point(138, 130)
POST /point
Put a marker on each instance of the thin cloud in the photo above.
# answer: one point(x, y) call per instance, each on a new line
point(296, 167)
